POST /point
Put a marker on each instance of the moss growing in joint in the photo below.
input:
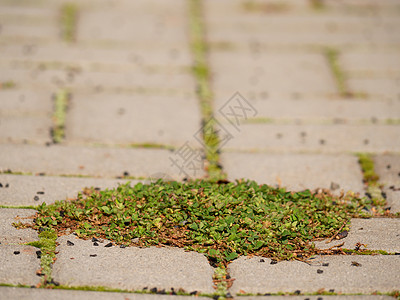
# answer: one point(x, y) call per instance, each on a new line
point(332, 56)
point(47, 246)
point(371, 179)
point(69, 18)
point(202, 74)
point(60, 112)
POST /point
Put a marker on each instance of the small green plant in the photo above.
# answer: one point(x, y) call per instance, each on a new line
point(223, 221)
point(60, 112)
point(69, 18)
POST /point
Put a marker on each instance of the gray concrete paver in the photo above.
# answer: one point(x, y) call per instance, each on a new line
point(163, 268)
point(316, 138)
point(19, 264)
point(39, 294)
point(94, 161)
point(374, 273)
point(9, 235)
point(375, 234)
point(34, 190)
point(388, 168)
point(132, 119)
point(296, 171)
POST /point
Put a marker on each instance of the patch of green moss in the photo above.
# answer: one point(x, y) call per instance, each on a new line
point(47, 246)
point(332, 57)
point(371, 178)
point(60, 113)
point(69, 18)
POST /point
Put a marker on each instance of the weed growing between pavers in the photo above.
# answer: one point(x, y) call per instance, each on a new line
point(223, 221)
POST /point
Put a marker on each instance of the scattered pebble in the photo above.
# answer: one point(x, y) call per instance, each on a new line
point(93, 255)
point(355, 264)
point(322, 141)
point(319, 271)
point(122, 246)
point(69, 243)
point(273, 262)
point(39, 254)
point(153, 290)
point(126, 173)
point(297, 292)
point(17, 252)
point(325, 264)
point(262, 260)
point(388, 166)
point(36, 198)
point(108, 245)
point(95, 244)
point(342, 235)
point(331, 290)
point(94, 239)
point(40, 193)
point(334, 186)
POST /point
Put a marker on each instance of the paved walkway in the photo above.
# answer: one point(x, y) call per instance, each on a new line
point(300, 87)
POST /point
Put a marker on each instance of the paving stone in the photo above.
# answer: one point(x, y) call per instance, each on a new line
point(279, 75)
point(19, 265)
point(163, 22)
point(163, 268)
point(336, 138)
point(25, 129)
point(130, 119)
point(142, 80)
point(371, 63)
point(24, 102)
point(388, 168)
point(375, 234)
point(295, 171)
point(9, 235)
point(305, 110)
point(374, 273)
point(39, 294)
point(34, 190)
point(95, 161)
point(98, 56)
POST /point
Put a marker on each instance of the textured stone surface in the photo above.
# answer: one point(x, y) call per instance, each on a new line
point(95, 161)
point(34, 190)
point(132, 119)
point(297, 171)
point(388, 169)
point(39, 294)
point(375, 273)
point(131, 268)
point(375, 234)
point(11, 235)
point(19, 265)
point(314, 138)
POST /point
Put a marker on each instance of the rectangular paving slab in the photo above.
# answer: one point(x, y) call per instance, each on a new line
point(296, 171)
point(81, 263)
point(11, 235)
point(19, 264)
point(342, 274)
point(132, 119)
point(95, 161)
point(34, 190)
point(336, 138)
point(12, 293)
point(374, 234)
point(388, 168)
